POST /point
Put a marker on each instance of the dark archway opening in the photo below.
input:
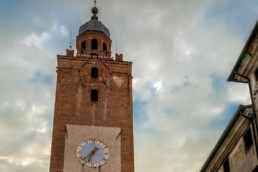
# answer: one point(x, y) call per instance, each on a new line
point(104, 46)
point(94, 95)
point(83, 45)
point(94, 72)
point(94, 44)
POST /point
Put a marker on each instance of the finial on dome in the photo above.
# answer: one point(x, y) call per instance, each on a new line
point(94, 24)
point(94, 11)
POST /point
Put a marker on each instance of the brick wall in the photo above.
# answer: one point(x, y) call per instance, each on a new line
point(74, 106)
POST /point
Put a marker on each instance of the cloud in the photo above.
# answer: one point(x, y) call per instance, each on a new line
point(182, 53)
point(35, 40)
point(157, 86)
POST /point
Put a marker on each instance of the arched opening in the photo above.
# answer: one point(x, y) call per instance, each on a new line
point(94, 72)
point(94, 44)
point(83, 45)
point(104, 46)
point(94, 95)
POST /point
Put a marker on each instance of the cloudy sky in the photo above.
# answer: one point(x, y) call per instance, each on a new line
point(182, 51)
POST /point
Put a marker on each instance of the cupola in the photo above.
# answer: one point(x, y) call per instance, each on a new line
point(94, 24)
point(93, 39)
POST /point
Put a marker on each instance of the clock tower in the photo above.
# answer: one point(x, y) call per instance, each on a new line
point(93, 121)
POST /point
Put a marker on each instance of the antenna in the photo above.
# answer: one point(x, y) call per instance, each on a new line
point(95, 2)
point(116, 46)
point(71, 41)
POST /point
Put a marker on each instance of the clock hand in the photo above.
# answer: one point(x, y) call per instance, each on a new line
point(86, 156)
point(91, 154)
point(90, 157)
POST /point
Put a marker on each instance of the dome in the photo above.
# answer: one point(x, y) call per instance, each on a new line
point(94, 24)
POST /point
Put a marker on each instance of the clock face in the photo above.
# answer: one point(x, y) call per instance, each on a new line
point(92, 153)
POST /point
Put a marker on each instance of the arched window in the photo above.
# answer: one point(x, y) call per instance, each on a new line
point(94, 72)
point(94, 44)
point(83, 45)
point(104, 46)
point(94, 95)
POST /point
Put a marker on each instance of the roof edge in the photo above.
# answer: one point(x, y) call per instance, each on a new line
point(240, 58)
point(224, 135)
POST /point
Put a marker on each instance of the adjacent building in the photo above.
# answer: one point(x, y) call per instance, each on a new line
point(237, 148)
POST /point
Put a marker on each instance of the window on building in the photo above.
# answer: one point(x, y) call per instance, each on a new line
point(256, 74)
point(94, 72)
point(248, 139)
point(226, 166)
point(255, 169)
point(94, 95)
point(94, 44)
point(83, 45)
point(104, 46)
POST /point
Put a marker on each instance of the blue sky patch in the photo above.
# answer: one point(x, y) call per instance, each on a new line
point(235, 14)
point(139, 112)
point(221, 122)
point(39, 78)
point(219, 82)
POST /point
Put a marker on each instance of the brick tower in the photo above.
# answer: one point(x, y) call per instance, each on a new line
point(93, 125)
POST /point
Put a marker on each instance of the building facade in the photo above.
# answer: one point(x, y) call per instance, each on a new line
point(93, 121)
point(237, 148)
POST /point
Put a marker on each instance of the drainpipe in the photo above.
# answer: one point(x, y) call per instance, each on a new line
point(254, 125)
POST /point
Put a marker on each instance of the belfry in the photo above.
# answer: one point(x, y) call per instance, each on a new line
point(93, 116)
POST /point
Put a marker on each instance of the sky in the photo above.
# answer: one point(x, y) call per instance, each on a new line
point(182, 53)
